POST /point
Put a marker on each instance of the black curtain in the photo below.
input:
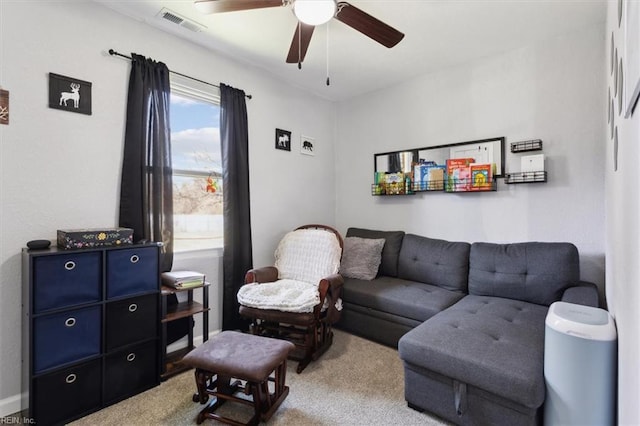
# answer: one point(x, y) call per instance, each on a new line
point(146, 196)
point(237, 257)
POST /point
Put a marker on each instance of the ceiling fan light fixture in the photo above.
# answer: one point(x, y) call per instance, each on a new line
point(314, 12)
point(204, 6)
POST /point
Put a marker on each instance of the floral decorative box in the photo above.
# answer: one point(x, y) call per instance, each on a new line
point(98, 237)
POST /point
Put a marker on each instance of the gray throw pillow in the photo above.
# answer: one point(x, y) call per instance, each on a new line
point(390, 251)
point(361, 257)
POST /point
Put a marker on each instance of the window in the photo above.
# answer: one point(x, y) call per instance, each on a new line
point(197, 166)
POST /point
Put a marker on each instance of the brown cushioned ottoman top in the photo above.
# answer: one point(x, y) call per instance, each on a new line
point(239, 355)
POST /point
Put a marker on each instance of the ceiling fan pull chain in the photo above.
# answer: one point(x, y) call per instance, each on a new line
point(328, 81)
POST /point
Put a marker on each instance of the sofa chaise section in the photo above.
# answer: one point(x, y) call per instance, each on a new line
point(478, 362)
point(481, 360)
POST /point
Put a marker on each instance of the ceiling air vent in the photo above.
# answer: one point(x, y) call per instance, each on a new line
point(174, 18)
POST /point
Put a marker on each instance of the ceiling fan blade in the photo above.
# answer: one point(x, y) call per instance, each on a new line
point(220, 6)
point(300, 43)
point(368, 25)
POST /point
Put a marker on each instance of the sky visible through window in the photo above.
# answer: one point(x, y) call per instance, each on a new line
point(195, 135)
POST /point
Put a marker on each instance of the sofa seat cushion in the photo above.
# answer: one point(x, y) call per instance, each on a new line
point(408, 299)
point(491, 343)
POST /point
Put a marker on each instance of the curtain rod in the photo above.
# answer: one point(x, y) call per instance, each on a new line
point(114, 53)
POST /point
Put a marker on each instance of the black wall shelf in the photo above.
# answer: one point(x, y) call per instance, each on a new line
point(525, 146)
point(526, 177)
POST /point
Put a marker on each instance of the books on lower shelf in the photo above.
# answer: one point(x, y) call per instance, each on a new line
point(182, 279)
point(464, 175)
point(428, 176)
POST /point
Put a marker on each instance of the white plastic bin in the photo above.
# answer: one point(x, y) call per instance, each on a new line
point(579, 366)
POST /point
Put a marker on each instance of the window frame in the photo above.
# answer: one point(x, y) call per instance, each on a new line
point(203, 92)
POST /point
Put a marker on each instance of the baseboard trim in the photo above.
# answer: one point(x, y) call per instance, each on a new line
point(10, 406)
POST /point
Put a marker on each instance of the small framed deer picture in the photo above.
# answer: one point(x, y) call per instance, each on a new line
point(69, 94)
point(283, 140)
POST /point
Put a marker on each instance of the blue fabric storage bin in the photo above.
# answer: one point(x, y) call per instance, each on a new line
point(66, 337)
point(60, 281)
point(132, 271)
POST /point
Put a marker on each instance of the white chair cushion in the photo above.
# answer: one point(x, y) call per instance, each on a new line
point(282, 295)
point(308, 255)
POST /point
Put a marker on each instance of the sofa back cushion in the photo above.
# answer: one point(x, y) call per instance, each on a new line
point(390, 251)
point(437, 262)
point(533, 272)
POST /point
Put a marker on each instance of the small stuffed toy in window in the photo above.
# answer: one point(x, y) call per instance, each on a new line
point(212, 185)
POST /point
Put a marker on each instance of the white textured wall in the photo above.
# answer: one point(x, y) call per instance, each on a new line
point(62, 170)
point(623, 236)
point(553, 91)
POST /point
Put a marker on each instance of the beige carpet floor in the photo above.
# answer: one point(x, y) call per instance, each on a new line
point(356, 382)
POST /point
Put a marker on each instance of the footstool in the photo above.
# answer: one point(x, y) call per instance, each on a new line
point(252, 359)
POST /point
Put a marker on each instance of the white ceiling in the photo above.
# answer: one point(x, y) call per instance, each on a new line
point(438, 34)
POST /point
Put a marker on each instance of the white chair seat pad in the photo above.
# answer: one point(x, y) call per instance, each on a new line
point(283, 295)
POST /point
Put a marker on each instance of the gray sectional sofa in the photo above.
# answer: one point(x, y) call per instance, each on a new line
point(467, 319)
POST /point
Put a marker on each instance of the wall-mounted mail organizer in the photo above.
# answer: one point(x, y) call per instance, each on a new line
point(524, 146)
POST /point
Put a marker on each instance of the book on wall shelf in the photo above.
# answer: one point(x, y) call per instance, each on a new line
point(182, 279)
point(458, 174)
point(428, 176)
point(435, 178)
point(481, 176)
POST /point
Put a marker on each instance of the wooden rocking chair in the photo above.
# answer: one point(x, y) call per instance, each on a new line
point(298, 299)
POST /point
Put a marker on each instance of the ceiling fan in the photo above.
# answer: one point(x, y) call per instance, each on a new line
point(311, 13)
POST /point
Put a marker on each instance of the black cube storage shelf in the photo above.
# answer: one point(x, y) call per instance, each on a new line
point(91, 328)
